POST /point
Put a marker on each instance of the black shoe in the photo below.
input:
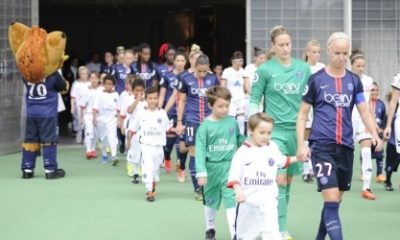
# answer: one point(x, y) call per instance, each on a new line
point(210, 234)
point(27, 175)
point(122, 148)
point(307, 178)
point(135, 179)
point(150, 197)
point(58, 173)
point(388, 186)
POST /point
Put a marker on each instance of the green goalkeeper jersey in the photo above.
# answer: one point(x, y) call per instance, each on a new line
point(216, 141)
point(282, 88)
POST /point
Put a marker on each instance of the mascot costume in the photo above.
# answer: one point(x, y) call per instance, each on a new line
point(39, 56)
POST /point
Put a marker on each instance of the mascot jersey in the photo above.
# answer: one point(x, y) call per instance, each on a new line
point(42, 98)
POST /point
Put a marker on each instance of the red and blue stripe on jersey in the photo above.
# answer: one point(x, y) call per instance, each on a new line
point(146, 71)
point(196, 108)
point(333, 99)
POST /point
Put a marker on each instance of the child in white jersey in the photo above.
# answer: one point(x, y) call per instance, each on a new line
point(253, 177)
point(78, 87)
point(86, 115)
point(133, 146)
point(105, 119)
point(151, 126)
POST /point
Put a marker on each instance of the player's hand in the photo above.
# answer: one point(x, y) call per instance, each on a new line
point(179, 128)
point(240, 197)
point(303, 153)
point(202, 181)
point(123, 129)
point(387, 132)
point(377, 142)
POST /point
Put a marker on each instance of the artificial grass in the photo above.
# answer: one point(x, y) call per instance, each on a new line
point(97, 201)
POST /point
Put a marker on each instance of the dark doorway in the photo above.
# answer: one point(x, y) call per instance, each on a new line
point(217, 26)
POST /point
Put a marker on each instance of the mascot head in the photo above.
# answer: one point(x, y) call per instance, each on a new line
point(37, 53)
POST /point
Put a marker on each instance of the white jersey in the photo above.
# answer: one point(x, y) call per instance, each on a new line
point(367, 83)
point(125, 100)
point(106, 106)
point(318, 66)
point(396, 85)
point(234, 82)
point(78, 89)
point(249, 72)
point(140, 107)
point(151, 126)
point(255, 168)
point(87, 100)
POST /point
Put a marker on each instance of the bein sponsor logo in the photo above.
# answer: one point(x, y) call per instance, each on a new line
point(339, 99)
point(201, 92)
point(287, 88)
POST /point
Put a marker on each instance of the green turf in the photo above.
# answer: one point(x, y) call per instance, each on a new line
point(98, 201)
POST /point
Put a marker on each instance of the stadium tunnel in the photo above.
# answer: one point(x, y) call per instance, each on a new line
point(97, 26)
point(218, 26)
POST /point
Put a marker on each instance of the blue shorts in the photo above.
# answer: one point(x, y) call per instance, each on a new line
point(190, 133)
point(41, 130)
point(333, 166)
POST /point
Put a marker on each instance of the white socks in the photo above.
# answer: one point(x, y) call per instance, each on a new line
point(241, 121)
point(209, 215)
point(231, 216)
point(366, 167)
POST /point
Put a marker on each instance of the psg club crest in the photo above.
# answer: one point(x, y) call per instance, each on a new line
point(256, 77)
point(299, 74)
point(208, 82)
point(231, 131)
point(350, 87)
point(323, 180)
point(271, 162)
point(159, 120)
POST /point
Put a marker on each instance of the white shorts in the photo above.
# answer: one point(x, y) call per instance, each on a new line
point(257, 221)
point(134, 153)
point(107, 132)
point(90, 130)
point(360, 132)
point(152, 157)
point(237, 106)
point(397, 133)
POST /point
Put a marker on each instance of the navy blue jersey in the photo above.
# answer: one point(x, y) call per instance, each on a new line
point(42, 98)
point(146, 71)
point(333, 99)
point(120, 75)
point(163, 69)
point(196, 108)
point(104, 68)
point(169, 81)
point(379, 108)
